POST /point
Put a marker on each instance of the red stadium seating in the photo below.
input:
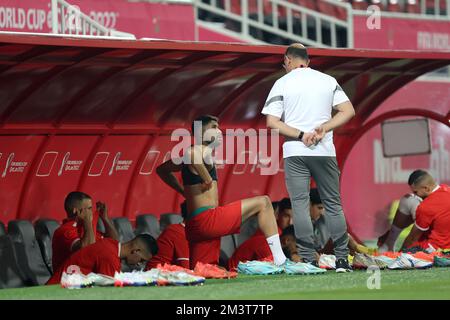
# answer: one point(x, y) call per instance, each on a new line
point(412, 6)
point(394, 6)
point(332, 10)
point(359, 4)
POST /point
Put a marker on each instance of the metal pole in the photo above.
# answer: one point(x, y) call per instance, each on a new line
point(319, 30)
point(244, 6)
point(275, 15)
point(196, 20)
point(333, 34)
point(350, 27)
point(304, 25)
point(63, 22)
point(423, 7)
point(54, 16)
point(261, 11)
point(289, 20)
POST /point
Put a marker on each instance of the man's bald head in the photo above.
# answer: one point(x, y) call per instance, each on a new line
point(297, 51)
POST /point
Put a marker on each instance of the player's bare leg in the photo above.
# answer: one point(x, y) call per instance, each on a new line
point(262, 207)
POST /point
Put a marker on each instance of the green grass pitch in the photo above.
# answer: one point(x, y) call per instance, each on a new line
point(409, 284)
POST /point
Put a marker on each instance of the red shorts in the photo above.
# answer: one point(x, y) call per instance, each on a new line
point(205, 230)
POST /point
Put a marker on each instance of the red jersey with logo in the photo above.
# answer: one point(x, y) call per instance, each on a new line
point(433, 216)
point(173, 248)
point(101, 257)
point(65, 236)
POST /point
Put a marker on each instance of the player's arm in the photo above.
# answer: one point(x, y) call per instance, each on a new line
point(356, 246)
point(196, 156)
point(110, 229)
point(345, 112)
point(413, 237)
point(165, 172)
point(89, 235)
point(275, 123)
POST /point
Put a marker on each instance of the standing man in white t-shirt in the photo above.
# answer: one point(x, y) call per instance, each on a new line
point(300, 106)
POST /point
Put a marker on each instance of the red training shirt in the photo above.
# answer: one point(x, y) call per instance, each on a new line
point(101, 257)
point(173, 248)
point(433, 215)
point(65, 236)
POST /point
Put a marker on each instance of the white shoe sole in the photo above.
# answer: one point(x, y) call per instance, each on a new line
point(343, 270)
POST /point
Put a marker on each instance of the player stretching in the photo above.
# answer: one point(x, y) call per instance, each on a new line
point(206, 221)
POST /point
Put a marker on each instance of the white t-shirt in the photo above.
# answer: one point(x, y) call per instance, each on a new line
point(408, 205)
point(304, 99)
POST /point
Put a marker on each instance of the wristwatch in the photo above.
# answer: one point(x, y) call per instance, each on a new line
point(300, 136)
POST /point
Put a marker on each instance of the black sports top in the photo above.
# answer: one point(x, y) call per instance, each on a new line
point(190, 178)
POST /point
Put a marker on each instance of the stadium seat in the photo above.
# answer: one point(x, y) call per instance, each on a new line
point(310, 4)
point(227, 248)
point(2, 229)
point(394, 6)
point(332, 10)
point(124, 228)
point(44, 229)
point(10, 274)
point(248, 229)
point(378, 3)
point(169, 218)
point(359, 4)
point(28, 254)
point(147, 223)
point(412, 6)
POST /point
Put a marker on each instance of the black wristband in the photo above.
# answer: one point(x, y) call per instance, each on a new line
point(300, 136)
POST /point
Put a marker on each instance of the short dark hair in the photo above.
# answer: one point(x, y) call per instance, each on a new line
point(73, 200)
point(275, 205)
point(284, 204)
point(205, 120)
point(288, 231)
point(183, 209)
point(148, 242)
point(314, 196)
point(417, 176)
point(297, 52)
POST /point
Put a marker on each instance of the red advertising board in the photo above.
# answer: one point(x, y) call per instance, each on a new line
point(401, 34)
point(149, 20)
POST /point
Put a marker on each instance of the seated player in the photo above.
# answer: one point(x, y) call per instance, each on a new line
point(404, 217)
point(322, 237)
point(289, 244)
point(105, 255)
point(284, 218)
point(256, 247)
point(173, 248)
point(432, 227)
point(207, 221)
point(80, 228)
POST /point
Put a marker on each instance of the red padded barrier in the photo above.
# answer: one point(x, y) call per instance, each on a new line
point(147, 194)
point(57, 171)
point(16, 156)
point(112, 169)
